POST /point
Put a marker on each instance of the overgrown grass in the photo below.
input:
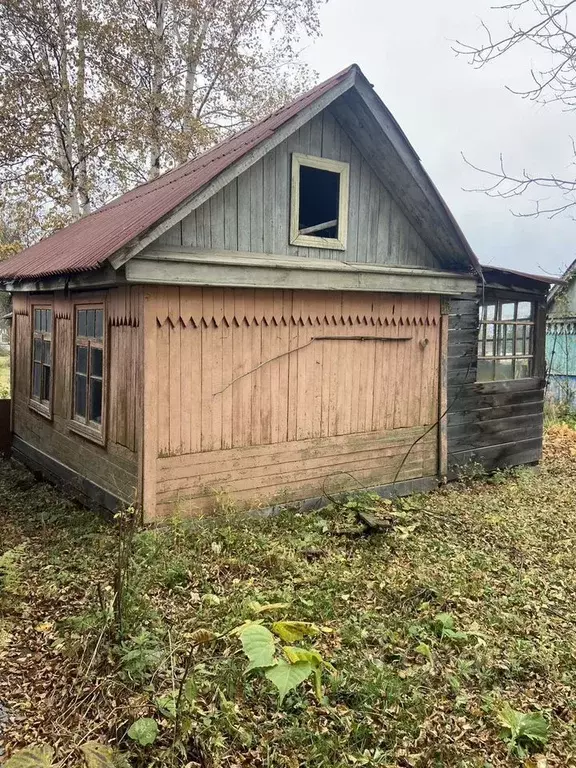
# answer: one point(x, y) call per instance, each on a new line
point(465, 605)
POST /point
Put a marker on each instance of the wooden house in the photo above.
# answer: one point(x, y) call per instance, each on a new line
point(561, 340)
point(293, 313)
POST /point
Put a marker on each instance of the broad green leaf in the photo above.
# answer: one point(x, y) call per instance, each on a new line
point(424, 650)
point(244, 626)
point(294, 655)
point(167, 705)
point(444, 621)
point(286, 676)
point(98, 755)
point(292, 631)
point(258, 645)
point(144, 731)
point(39, 756)
point(532, 726)
point(190, 691)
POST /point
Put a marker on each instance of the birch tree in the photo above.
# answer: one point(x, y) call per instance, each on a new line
point(98, 95)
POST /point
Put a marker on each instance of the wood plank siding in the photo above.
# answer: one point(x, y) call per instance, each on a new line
point(113, 466)
point(273, 395)
point(496, 424)
point(252, 212)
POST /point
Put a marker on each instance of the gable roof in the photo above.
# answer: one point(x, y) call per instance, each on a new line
point(564, 281)
point(92, 240)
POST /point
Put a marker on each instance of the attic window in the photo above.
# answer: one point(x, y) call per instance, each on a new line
point(319, 206)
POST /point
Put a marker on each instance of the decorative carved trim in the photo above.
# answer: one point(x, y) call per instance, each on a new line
point(197, 307)
point(124, 306)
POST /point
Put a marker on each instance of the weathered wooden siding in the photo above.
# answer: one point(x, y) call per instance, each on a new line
point(114, 466)
point(496, 424)
point(264, 394)
point(252, 213)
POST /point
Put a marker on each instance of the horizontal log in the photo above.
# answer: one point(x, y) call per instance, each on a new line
point(497, 456)
point(473, 415)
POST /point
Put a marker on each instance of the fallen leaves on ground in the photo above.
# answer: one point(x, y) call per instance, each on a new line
point(463, 608)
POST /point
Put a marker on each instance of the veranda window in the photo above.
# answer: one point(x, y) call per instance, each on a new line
point(506, 340)
point(89, 367)
point(41, 373)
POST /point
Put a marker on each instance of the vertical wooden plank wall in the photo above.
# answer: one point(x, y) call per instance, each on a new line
point(114, 466)
point(252, 212)
point(495, 424)
point(265, 395)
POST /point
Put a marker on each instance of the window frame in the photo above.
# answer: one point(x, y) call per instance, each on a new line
point(41, 406)
point(323, 164)
point(498, 322)
point(83, 426)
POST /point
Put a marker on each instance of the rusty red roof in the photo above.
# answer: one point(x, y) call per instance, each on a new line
point(88, 242)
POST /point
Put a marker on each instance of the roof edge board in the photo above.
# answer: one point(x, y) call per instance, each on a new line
point(229, 174)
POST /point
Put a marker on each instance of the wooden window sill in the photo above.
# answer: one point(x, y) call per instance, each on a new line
point(90, 433)
point(42, 409)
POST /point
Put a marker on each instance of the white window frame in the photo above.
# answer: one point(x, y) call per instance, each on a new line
point(324, 164)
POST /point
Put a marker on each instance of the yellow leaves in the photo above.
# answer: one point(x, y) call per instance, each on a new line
point(536, 761)
point(45, 627)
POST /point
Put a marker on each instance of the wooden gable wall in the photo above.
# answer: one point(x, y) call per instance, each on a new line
point(252, 212)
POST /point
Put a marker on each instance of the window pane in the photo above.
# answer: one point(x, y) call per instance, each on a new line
point(80, 396)
point(485, 370)
point(46, 356)
point(522, 369)
point(520, 340)
point(489, 312)
point(81, 323)
point(489, 352)
point(95, 362)
point(489, 331)
point(38, 349)
point(525, 310)
point(503, 370)
point(96, 400)
point(90, 322)
point(480, 351)
point(37, 320)
point(49, 320)
point(529, 349)
point(500, 331)
point(45, 394)
point(82, 359)
point(99, 324)
point(36, 377)
point(509, 346)
point(507, 311)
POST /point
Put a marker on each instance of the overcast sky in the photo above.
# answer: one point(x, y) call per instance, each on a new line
point(446, 108)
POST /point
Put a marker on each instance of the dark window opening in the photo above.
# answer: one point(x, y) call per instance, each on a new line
point(42, 356)
point(89, 366)
point(319, 202)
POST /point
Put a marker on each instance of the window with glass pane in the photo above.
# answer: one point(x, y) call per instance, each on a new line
point(89, 366)
point(41, 375)
point(506, 340)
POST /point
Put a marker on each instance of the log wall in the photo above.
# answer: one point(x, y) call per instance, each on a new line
point(496, 424)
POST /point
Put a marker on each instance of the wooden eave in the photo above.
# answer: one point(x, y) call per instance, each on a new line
point(233, 269)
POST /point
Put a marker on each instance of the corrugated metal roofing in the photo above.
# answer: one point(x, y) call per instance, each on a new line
point(88, 242)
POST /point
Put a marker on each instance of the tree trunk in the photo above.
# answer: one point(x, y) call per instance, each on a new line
point(156, 95)
point(79, 112)
point(67, 154)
